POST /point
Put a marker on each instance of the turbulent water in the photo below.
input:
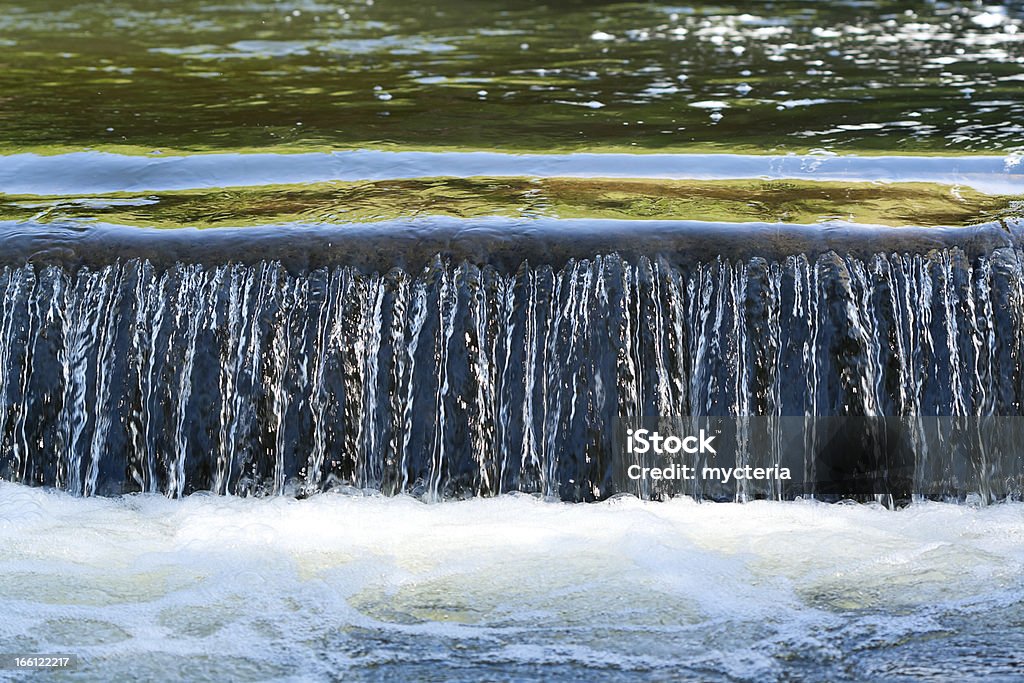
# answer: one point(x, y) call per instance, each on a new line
point(380, 589)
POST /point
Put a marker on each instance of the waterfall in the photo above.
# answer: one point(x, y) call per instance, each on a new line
point(461, 379)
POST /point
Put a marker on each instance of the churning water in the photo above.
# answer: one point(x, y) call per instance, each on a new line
point(348, 587)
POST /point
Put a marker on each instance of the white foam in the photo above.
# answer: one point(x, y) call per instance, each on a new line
point(990, 19)
point(279, 586)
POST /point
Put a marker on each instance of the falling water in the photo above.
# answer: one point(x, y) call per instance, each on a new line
point(461, 379)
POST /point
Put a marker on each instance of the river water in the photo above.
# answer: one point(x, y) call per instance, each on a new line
point(315, 316)
point(879, 77)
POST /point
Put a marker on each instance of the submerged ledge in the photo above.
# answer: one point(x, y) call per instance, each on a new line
point(101, 172)
point(803, 202)
point(501, 243)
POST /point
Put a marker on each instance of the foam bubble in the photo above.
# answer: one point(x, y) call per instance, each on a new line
point(338, 583)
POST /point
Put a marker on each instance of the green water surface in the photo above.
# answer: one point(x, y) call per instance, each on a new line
point(757, 77)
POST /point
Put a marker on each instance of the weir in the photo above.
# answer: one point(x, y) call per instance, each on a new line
point(453, 358)
point(486, 340)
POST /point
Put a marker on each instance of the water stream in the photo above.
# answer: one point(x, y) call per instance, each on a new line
point(463, 372)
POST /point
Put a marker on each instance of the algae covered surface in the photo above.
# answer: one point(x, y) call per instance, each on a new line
point(725, 201)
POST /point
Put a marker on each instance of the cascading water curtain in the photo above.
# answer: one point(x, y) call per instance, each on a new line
point(462, 380)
